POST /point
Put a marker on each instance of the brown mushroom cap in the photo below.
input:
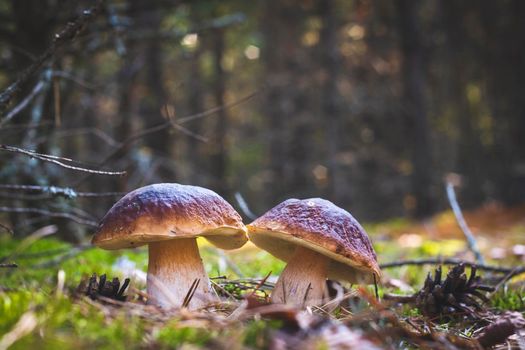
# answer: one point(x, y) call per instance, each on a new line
point(169, 211)
point(322, 226)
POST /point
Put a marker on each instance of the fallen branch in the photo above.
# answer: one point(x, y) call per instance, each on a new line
point(11, 265)
point(445, 261)
point(68, 33)
point(57, 160)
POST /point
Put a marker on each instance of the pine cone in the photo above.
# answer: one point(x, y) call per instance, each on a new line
point(455, 294)
point(95, 288)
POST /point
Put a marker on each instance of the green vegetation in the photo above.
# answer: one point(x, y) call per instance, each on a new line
point(59, 319)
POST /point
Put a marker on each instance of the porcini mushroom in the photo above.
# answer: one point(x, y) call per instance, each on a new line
point(318, 240)
point(168, 218)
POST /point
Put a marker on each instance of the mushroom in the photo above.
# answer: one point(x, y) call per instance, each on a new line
point(168, 218)
point(318, 240)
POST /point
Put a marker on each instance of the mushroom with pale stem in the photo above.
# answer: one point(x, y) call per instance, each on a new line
point(168, 218)
point(318, 240)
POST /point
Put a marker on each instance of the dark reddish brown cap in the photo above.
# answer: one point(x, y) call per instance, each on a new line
point(169, 211)
point(322, 226)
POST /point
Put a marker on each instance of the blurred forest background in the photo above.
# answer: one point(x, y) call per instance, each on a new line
point(367, 103)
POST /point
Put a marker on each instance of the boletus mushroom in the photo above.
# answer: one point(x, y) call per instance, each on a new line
point(318, 240)
point(168, 218)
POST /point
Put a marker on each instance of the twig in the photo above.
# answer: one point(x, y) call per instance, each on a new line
point(52, 252)
point(11, 265)
point(471, 240)
point(216, 109)
point(52, 191)
point(68, 33)
point(261, 283)
point(44, 212)
point(23, 104)
point(57, 160)
point(80, 131)
point(32, 238)
point(24, 127)
point(8, 229)
point(25, 325)
point(191, 292)
point(244, 206)
point(131, 139)
point(60, 259)
point(434, 261)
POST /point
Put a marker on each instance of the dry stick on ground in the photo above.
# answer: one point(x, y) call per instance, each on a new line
point(11, 265)
point(68, 33)
point(58, 161)
point(471, 240)
point(508, 270)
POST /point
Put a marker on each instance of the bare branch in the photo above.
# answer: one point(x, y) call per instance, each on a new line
point(58, 160)
point(68, 33)
point(471, 240)
point(10, 265)
point(448, 261)
point(8, 229)
point(23, 104)
point(244, 206)
point(131, 139)
point(44, 212)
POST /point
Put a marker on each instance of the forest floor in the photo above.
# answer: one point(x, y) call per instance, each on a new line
point(41, 307)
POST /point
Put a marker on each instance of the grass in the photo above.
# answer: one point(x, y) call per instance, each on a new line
point(55, 319)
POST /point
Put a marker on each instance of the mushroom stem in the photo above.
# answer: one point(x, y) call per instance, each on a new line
point(303, 280)
point(173, 268)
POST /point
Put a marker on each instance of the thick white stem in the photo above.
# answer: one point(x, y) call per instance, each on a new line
point(173, 268)
point(303, 280)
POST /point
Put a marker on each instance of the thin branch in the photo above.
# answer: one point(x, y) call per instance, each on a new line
point(32, 238)
point(216, 109)
point(77, 80)
point(471, 240)
point(6, 228)
point(44, 212)
point(244, 206)
point(52, 191)
point(448, 261)
point(52, 252)
point(10, 265)
point(57, 160)
point(73, 252)
point(81, 131)
point(23, 104)
point(68, 33)
point(24, 127)
point(131, 139)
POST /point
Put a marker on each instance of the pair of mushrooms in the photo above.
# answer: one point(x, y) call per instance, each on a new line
point(316, 238)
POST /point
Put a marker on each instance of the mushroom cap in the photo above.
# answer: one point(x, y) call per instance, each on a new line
point(170, 211)
point(322, 226)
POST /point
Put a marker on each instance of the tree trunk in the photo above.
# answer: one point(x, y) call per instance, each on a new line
point(414, 105)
